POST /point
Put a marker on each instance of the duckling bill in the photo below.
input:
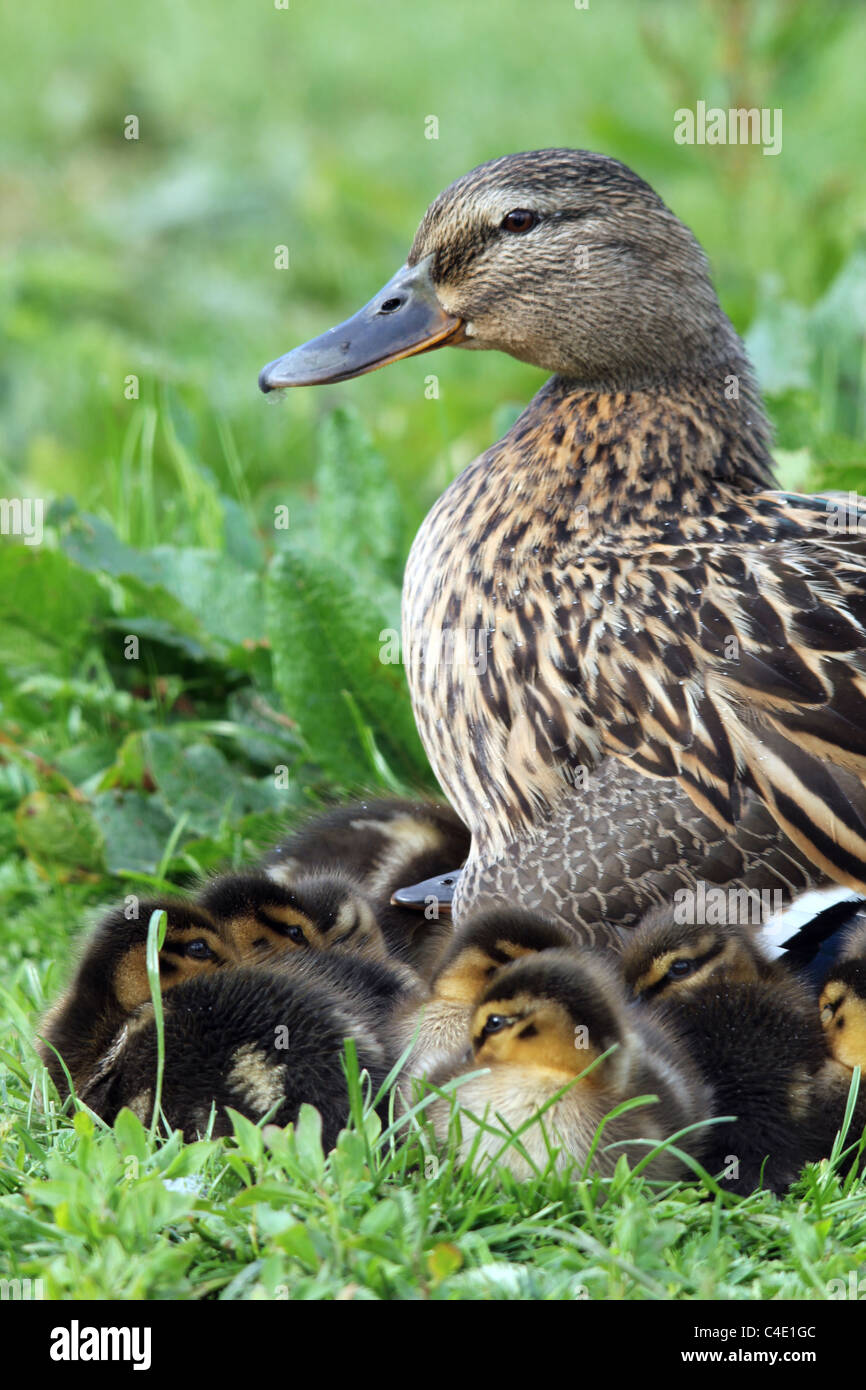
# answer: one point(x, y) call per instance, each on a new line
point(675, 683)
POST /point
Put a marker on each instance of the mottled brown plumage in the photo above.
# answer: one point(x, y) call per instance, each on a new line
point(662, 629)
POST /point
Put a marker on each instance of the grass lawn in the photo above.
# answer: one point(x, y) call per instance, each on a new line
point(189, 658)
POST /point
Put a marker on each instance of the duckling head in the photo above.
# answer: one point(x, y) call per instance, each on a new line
point(842, 1004)
point(558, 1013)
point(322, 912)
point(488, 942)
point(118, 951)
point(664, 958)
point(111, 980)
point(562, 258)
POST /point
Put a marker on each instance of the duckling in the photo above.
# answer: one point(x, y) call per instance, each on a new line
point(438, 1029)
point(673, 685)
point(541, 1023)
point(752, 1028)
point(257, 914)
point(260, 1041)
point(382, 843)
point(843, 1000)
point(111, 982)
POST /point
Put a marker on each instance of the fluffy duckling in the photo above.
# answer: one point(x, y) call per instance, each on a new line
point(382, 843)
point(540, 1024)
point(111, 982)
point(260, 1041)
point(614, 547)
point(842, 1000)
point(752, 1028)
point(438, 1030)
point(257, 915)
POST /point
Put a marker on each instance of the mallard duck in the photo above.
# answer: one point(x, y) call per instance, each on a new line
point(673, 688)
point(438, 1028)
point(111, 983)
point(383, 843)
point(753, 1030)
point(843, 999)
point(541, 1023)
point(257, 1040)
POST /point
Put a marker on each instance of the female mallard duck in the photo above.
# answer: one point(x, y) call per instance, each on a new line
point(111, 983)
point(260, 1041)
point(752, 1028)
point(843, 999)
point(674, 687)
point(438, 1029)
point(540, 1025)
point(383, 843)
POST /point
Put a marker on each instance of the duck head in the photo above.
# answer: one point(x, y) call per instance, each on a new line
point(562, 258)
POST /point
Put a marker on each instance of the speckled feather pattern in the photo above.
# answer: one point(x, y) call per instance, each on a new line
point(611, 546)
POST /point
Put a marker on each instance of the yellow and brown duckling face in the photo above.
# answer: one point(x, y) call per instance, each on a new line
point(556, 1012)
point(665, 958)
point(259, 917)
point(488, 942)
point(842, 1002)
point(192, 946)
point(111, 980)
point(563, 258)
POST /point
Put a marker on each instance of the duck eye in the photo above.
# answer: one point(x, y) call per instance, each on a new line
point(519, 220)
point(199, 950)
point(680, 969)
point(295, 934)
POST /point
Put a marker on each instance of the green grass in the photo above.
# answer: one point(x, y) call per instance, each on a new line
point(256, 689)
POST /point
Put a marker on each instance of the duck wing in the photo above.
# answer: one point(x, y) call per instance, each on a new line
point(737, 662)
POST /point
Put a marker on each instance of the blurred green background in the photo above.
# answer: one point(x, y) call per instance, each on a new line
point(306, 127)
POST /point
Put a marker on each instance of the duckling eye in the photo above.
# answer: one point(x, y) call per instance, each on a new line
point(295, 934)
point(519, 220)
point(199, 950)
point(680, 969)
point(494, 1024)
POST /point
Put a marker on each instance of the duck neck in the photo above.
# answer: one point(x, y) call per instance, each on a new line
point(644, 457)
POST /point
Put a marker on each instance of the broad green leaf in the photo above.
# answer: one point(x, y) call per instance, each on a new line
point(327, 635)
point(48, 608)
point(135, 829)
point(358, 515)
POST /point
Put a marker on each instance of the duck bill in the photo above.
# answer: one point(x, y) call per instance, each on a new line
point(419, 896)
point(404, 318)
